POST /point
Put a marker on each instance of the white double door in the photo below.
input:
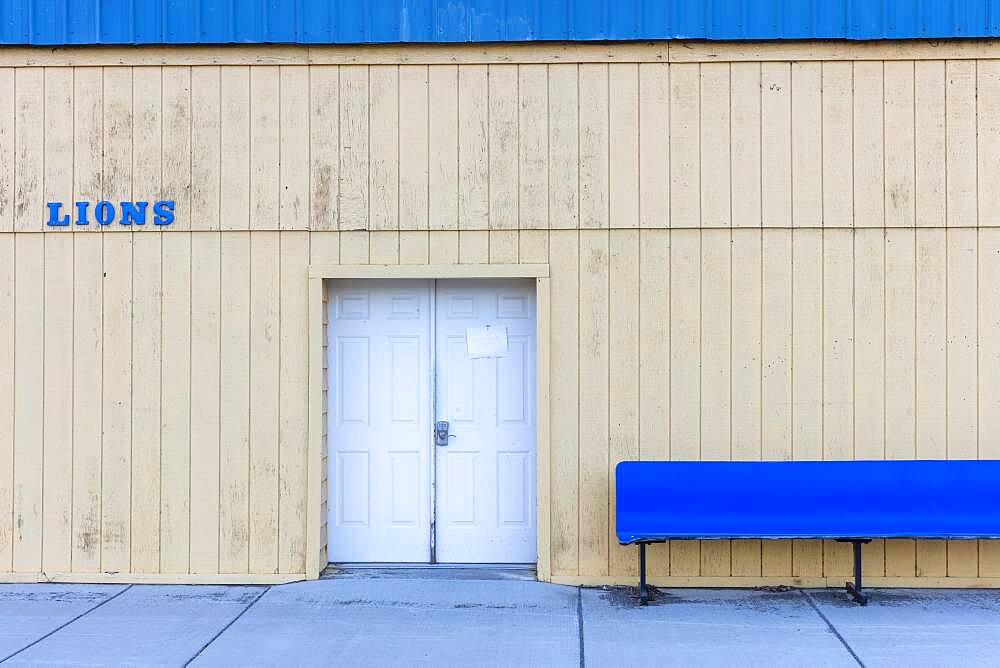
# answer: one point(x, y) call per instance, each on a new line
point(403, 355)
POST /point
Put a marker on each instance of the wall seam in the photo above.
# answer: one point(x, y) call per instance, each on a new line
point(979, 253)
point(250, 308)
point(131, 329)
point(221, 326)
point(579, 238)
point(104, 271)
point(14, 239)
point(159, 525)
point(607, 314)
point(41, 490)
point(72, 328)
point(190, 319)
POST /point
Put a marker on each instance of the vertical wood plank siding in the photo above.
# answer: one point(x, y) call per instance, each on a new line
point(748, 260)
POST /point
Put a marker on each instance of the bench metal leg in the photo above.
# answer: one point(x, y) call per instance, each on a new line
point(643, 591)
point(854, 588)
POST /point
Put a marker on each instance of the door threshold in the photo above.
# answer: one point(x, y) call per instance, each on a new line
point(420, 571)
point(420, 564)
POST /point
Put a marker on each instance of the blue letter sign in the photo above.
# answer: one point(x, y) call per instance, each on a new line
point(106, 213)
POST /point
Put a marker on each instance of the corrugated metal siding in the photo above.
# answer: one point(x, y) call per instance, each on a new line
point(53, 22)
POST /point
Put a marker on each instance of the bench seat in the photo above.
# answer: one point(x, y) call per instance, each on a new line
point(853, 501)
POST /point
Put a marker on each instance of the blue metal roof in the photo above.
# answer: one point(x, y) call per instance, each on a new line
point(55, 22)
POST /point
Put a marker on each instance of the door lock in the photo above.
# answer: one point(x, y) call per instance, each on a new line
point(441, 434)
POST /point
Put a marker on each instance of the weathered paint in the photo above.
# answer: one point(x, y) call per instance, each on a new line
point(741, 265)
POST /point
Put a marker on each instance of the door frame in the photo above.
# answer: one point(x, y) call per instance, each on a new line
point(319, 277)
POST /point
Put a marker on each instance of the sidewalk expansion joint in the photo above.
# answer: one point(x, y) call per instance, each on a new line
point(65, 624)
point(226, 627)
point(829, 625)
point(579, 623)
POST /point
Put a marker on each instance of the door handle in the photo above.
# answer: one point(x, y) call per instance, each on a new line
point(441, 434)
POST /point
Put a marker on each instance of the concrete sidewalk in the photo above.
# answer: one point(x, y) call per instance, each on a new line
point(436, 617)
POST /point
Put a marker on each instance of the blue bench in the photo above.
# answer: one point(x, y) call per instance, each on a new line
point(847, 501)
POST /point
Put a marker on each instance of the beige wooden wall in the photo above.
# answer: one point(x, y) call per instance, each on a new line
point(756, 251)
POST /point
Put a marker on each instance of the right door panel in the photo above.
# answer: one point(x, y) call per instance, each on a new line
point(486, 474)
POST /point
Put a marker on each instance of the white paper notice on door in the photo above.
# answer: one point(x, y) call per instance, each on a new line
point(486, 341)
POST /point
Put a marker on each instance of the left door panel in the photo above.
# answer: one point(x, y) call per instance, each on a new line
point(379, 421)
